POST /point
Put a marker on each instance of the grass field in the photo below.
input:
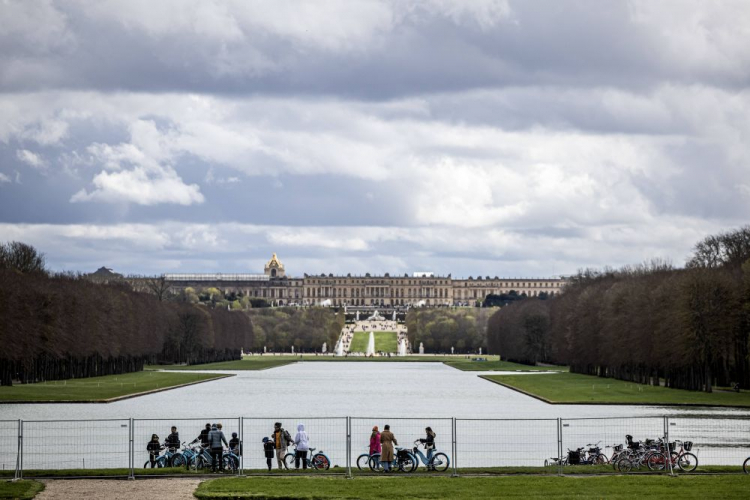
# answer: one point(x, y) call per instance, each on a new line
point(100, 388)
point(21, 490)
point(527, 487)
point(493, 363)
point(384, 342)
point(576, 388)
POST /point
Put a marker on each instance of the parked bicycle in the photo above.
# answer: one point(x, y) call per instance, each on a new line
point(403, 461)
point(686, 461)
point(315, 460)
point(363, 461)
point(438, 461)
point(746, 465)
point(168, 459)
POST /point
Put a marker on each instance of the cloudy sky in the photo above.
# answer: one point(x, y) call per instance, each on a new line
point(490, 137)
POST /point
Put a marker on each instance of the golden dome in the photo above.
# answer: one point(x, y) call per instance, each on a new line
point(275, 262)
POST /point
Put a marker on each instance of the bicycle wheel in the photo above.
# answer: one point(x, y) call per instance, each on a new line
point(407, 463)
point(363, 461)
point(148, 464)
point(198, 463)
point(178, 460)
point(320, 462)
point(656, 462)
point(746, 465)
point(374, 463)
point(440, 462)
point(687, 462)
point(624, 465)
point(289, 460)
point(230, 463)
point(601, 460)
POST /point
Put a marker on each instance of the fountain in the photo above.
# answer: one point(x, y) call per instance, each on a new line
point(357, 315)
point(339, 348)
point(371, 345)
point(402, 347)
point(421, 348)
point(394, 315)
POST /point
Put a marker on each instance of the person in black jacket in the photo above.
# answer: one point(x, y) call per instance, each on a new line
point(268, 449)
point(153, 448)
point(234, 445)
point(429, 443)
point(173, 440)
point(203, 437)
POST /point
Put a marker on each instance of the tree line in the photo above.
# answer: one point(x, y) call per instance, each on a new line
point(441, 329)
point(59, 326)
point(653, 323)
point(280, 328)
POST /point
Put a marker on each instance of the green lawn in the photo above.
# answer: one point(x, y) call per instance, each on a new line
point(246, 363)
point(526, 487)
point(20, 489)
point(97, 389)
point(493, 363)
point(575, 388)
point(384, 342)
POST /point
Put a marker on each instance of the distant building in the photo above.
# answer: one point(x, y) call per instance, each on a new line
point(423, 288)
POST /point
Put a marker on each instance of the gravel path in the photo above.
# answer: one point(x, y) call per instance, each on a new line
point(113, 489)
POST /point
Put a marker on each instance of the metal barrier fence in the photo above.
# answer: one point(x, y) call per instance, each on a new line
point(86, 447)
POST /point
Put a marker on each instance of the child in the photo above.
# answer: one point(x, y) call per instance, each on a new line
point(234, 445)
point(268, 448)
point(153, 448)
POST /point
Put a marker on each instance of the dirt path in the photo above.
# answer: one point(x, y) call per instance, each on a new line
point(113, 489)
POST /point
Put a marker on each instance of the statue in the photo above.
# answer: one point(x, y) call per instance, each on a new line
point(394, 315)
point(357, 315)
point(451, 349)
point(264, 349)
point(480, 351)
point(324, 349)
point(421, 348)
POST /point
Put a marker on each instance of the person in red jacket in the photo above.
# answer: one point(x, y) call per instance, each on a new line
point(375, 444)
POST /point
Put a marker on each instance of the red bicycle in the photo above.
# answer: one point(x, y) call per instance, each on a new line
point(686, 461)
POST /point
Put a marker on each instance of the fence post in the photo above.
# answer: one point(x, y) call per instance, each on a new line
point(455, 449)
point(668, 455)
point(19, 455)
point(559, 447)
point(131, 450)
point(242, 446)
point(348, 447)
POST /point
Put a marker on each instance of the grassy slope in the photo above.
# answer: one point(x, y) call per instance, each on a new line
point(396, 487)
point(20, 489)
point(575, 388)
point(99, 388)
point(384, 341)
point(494, 364)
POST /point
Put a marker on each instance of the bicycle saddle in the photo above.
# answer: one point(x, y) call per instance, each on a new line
point(313, 449)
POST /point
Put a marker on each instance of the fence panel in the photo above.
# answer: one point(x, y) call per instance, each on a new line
point(8, 444)
point(608, 432)
point(505, 443)
point(189, 429)
point(406, 431)
point(717, 441)
point(327, 436)
point(76, 444)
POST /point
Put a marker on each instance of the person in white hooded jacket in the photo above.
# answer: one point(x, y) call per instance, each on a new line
point(302, 441)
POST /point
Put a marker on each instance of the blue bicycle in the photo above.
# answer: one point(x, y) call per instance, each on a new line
point(170, 458)
point(433, 461)
point(317, 460)
point(403, 461)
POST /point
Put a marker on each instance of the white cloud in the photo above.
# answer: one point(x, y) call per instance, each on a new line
point(30, 158)
point(4, 178)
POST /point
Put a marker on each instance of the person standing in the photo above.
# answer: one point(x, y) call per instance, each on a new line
point(268, 451)
point(281, 440)
point(302, 442)
point(173, 440)
point(375, 448)
point(153, 448)
point(215, 440)
point(387, 440)
point(429, 445)
point(203, 437)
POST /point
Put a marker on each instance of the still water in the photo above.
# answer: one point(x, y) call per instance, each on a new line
point(498, 426)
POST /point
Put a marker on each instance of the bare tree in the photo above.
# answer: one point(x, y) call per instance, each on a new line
point(21, 257)
point(159, 286)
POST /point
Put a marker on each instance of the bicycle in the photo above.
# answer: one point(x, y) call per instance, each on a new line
point(169, 458)
point(231, 460)
point(363, 461)
point(314, 461)
point(403, 461)
point(746, 465)
point(437, 462)
point(686, 461)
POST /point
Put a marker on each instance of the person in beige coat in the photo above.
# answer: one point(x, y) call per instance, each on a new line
point(387, 440)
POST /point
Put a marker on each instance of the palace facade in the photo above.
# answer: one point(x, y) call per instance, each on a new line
point(420, 289)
